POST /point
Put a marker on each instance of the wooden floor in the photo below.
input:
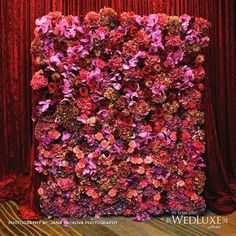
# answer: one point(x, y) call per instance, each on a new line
point(11, 224)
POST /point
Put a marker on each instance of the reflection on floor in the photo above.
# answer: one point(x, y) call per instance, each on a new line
point(207, 225)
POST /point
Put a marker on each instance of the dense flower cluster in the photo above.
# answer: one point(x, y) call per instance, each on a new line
point(118, 115)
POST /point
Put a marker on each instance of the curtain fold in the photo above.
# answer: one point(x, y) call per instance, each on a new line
point(17, 146)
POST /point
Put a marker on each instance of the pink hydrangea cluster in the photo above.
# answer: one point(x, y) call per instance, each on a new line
point(119, 115)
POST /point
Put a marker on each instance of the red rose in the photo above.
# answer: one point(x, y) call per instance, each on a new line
point(198, 145)
point(133, 31)
point(185, 136)
point(192, 105)
point(82, 63)
point(101, 64)
point(52, 87)
point(92, 106)
point(128, 120)
point(93, 85)
point(201, 87)
point(83, 91)
point(147, 70)
point(171, 97)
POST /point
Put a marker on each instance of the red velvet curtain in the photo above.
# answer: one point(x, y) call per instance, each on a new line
point(17, 146)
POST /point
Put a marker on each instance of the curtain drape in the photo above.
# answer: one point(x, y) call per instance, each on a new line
point(17, 146)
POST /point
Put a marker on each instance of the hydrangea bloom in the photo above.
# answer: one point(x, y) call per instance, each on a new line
point(118, 115)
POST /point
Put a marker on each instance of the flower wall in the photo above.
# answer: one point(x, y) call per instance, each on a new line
point(119, 119)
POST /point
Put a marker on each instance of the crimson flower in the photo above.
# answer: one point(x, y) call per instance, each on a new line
point(84, 91)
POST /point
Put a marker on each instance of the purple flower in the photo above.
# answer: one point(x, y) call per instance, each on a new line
point(66, 87)
point(65, 136)
point(152, 20)
point(192, 37)
point(117, 86)
point(44, 105)
point(104, 113)
point(43, 23)
point(138, 19)
point(157, 88)
point(97, 97)
point(142, 217)
point(73, 51)
point(185, 21)
point(126, 66)
point(156, 36)
point(91, 165)
point(55, 59)
point(156, 45)
point(95, 73)
point(61, 27)
point(177, 56)
point(169, 62)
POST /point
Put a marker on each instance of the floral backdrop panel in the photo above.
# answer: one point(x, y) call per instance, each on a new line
point(119, 116)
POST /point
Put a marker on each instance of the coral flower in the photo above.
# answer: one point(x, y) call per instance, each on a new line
point(156, 197)
point(112, 192)
point(40, 191)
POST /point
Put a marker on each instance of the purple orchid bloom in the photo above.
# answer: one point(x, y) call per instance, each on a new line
point(152, 20)
point(138, 19)
point(65, 136)
point(44, 105)
point(95, 73)
point(97, 97)
point(66, 87)
point(43, 23)
point(177, 56)
point(55, 59)
point(156, 36)
point(61, 27)
point(117, 86)
point(192, 37)
point(158, 88)
point(185, 21)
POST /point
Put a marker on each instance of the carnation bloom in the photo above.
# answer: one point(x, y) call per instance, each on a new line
point(78, 152)
point(130, 48)
point(162, 20)
point(38, 81)
point(66, 183)
point(92, 19)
